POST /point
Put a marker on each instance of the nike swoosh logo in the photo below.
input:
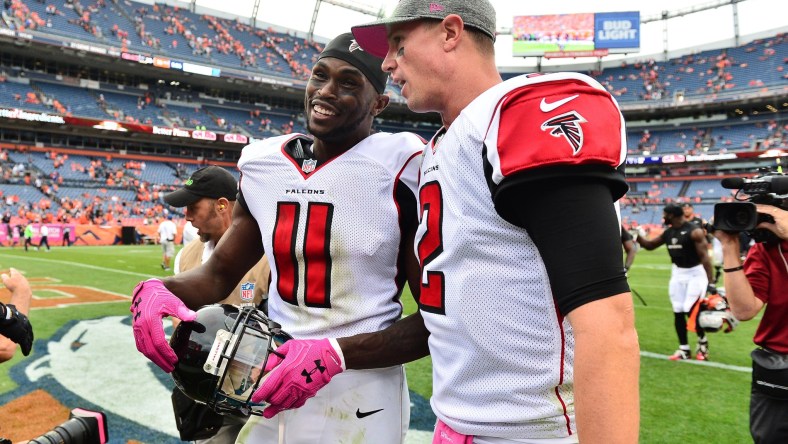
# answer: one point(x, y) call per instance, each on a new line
point(547, 107)
point(360, 414)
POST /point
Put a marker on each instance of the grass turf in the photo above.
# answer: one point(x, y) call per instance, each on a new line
point(680, 401)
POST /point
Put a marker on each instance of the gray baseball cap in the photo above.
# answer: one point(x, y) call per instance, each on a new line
point(478, 14)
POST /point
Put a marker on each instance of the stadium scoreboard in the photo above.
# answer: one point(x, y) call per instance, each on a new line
point(576, 35)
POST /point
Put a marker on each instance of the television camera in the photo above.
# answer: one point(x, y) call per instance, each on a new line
point(768, 188)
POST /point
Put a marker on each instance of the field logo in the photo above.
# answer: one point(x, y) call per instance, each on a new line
point(94, 364)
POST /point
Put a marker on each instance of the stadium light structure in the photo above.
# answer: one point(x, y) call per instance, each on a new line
point(353, 6)
point(667, 15)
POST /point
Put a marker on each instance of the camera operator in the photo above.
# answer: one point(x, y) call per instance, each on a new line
point(690, 276)
point(14, 325)
point(759, 285)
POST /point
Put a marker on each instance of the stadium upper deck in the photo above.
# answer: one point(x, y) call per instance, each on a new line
point(169, 86)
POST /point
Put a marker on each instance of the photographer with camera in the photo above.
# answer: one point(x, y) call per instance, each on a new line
point(690, 276)
point(15, 328)
point(758, 285)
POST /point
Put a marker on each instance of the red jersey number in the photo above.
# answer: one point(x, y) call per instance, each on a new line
point(316, 253)
point(433, 288)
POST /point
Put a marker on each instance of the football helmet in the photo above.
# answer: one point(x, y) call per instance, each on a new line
point(715, 315)
point(222, 354)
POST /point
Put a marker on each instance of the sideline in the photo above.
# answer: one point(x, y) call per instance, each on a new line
point(735, 368)
point(74, 264)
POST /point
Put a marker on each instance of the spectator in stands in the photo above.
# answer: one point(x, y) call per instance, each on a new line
point(690, 276)
point(167, 232)
point(759, 286)
point(209, 197)
point(15, 328)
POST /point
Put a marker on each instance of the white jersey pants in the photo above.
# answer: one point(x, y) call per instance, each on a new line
point(357, 406)
point(686, 286)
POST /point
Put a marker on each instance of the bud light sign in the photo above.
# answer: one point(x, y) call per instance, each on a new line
point(616, 30)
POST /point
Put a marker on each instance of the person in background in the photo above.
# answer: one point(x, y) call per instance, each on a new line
point(28, 234)
point(15, 327)
point(66, 236)
point(44, 231)
point(167, 232)
point(189, 233)
point(209, 197)
point(690, 276)
point(630, 248)
point(755, 287)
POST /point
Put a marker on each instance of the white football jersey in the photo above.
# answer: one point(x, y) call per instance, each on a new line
point(502, 352)
point(332, 234)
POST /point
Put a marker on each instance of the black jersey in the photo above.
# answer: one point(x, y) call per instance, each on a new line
point(680, 245)
point(697, 221)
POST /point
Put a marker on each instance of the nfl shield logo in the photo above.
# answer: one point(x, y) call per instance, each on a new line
point(247, 292)
point(309, 165)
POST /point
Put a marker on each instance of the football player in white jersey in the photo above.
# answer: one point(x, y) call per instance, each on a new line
point(336, 214)
point(530, 318)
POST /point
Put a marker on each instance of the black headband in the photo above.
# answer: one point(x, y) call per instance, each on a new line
point(344, 47)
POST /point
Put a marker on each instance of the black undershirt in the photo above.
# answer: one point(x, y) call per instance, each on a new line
point(574, 225)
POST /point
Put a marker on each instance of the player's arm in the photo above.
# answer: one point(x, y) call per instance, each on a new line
point(630, 248)
point(702, 248)
point(650, 244)
point(561, 188)
point(405, 340)
point(582, 255)
point(401, 342)
point(239, 249)
point(738, 289)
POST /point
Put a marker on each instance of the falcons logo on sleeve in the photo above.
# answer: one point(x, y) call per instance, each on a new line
point(567, 125)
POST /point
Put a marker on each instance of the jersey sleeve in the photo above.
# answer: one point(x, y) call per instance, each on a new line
point(558, 125)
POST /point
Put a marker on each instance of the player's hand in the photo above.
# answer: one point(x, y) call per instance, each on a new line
point(640, 232)
point(307, 366)
point(711, 289)
point(16, 327)
point(150, 303)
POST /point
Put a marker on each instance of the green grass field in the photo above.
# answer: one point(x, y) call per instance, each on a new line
point(680, 401)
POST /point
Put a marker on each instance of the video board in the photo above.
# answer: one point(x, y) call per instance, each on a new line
point(576, 35)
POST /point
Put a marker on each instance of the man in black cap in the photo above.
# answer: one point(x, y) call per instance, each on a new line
point(209, 197)
point(335, 212)
point(689, 277)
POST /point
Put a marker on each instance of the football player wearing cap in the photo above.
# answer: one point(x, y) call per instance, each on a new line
point(209, 197)
point(689, 277)
point(335, 213)
point(529, 317)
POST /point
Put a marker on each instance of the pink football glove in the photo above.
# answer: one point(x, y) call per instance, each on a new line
point(308, 365)
point(151, 302)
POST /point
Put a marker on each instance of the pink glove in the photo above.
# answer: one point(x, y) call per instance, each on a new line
point(308, 365)
point(150, 303)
